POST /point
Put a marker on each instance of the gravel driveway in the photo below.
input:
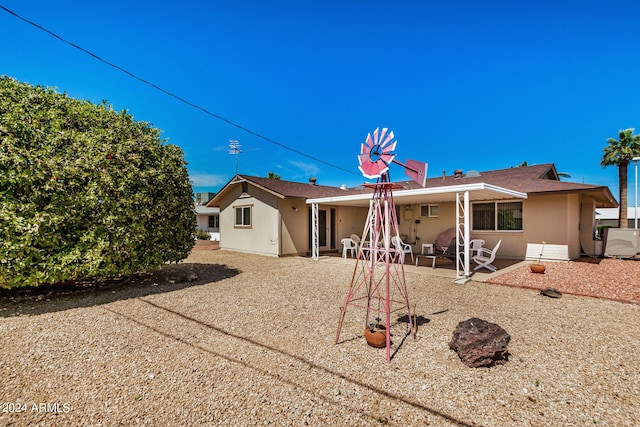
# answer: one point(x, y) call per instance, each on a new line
point(251, 342)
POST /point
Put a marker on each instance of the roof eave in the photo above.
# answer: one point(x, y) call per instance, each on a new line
point(399, 194)
point(606, 200)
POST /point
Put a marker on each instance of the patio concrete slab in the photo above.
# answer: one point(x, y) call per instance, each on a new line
point(444, 267)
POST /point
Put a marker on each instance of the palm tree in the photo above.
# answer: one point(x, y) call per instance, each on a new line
point(619, 153)
point(273, 175)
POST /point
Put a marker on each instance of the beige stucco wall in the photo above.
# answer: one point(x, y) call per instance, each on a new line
point(294, 228)
point(263, 235)
point(553, 219)
point(279, 227)
point(429, 227)
point(350, 221)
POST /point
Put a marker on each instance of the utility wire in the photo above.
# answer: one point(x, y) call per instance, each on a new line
point(179, 98)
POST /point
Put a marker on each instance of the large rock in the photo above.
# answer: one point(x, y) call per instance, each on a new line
point(480, 343)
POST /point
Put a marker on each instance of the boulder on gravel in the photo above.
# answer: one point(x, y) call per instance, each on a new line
point(480, 343)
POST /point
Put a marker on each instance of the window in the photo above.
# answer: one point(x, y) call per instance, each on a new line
point(510, 216)
point(214, 221)
point(484, 217)
point(497, 216)
point(429, 210)
point(243, 216)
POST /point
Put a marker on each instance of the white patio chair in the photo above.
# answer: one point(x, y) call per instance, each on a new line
point(486, 257)
point(356, 239)
point(348, 245)
point(403, 248)
point(475, 246)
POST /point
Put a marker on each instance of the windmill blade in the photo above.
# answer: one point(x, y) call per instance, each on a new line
point(417, 171)
point(372, 170)
point(375, 135)
point(381, 136)
point(369, 141)
point(389, 148)
point(386, 141)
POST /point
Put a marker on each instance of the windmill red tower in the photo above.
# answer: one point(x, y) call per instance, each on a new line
point(378, 283)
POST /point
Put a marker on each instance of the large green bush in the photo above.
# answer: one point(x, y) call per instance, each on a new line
point(85, 191)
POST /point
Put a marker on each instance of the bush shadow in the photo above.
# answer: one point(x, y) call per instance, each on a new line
point(31, 301)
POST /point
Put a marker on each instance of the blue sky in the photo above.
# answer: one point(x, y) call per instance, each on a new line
point(463, 84)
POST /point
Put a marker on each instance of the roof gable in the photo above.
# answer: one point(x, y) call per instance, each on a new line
point(284, 189)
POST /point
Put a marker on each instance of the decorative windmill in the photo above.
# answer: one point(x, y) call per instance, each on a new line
point(381, 291)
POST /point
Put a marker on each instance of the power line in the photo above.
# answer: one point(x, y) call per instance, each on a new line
point(179, 98)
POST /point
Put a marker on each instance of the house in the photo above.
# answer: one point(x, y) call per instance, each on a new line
point(270, 216)
point(516, 205)
point(207, 219)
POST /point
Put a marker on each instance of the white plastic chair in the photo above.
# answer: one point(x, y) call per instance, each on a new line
point(348, 245)
point(403, 248)
point(356, 239)
point(475, 246)
point(486, 257)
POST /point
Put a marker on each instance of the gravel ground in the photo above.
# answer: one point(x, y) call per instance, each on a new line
point(251, 342)
point(614, 279)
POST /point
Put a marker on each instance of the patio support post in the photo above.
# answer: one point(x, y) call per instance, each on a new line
point(467, 235)
point(315, 248)
point(458, 236)
point(462, 233)
point(635, 211)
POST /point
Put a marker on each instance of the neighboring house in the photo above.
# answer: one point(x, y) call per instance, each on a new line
point(516, 205)
point(609, 216)
point(208, 219)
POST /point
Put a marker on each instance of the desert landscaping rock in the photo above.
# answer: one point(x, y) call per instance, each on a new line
point(251, 342)
point(480, 343)
point(551, 293)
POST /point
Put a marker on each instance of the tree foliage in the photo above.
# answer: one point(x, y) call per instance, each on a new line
point(86, 192)
point(619, 152)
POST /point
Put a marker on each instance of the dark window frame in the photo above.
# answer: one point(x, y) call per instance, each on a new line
point(498, 216)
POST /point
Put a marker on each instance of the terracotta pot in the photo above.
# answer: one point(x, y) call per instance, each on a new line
point(377, 337)
point(537, 268)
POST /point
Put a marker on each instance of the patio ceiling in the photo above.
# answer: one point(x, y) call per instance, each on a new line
point(477, 192)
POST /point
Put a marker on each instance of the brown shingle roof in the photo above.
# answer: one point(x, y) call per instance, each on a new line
point(537, 179)
point(528, 179)
point(290, 188)
point(300, 189)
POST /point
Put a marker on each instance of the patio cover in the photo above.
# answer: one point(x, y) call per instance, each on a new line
point(463, 194)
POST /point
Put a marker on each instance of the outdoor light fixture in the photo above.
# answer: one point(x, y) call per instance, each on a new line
point(635, 212)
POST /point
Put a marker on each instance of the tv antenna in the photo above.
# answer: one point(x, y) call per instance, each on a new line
point(234, 148)
point(378, 283)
